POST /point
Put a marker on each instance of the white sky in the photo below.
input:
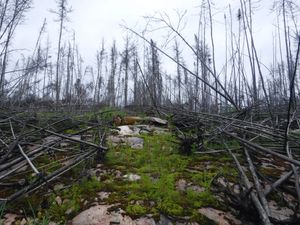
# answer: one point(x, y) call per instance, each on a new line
point(93, 20)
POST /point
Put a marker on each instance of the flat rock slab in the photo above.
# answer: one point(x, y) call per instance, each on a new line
point(166, 221)
point(9, 219)
point(132, 177)
point(100, 215)
point(220, 217)
point(134, 130)
point(151, 129)
point(127, 130)
point(183, 185)
point(145, 221)
point(280, 213)
point(103, 195)
point(157, 120)
point(133, 142)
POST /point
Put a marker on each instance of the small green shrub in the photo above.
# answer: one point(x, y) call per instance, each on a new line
point(136, 210)
point(170, 207)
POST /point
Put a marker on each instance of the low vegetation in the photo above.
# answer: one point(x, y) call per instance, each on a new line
point(161, 169)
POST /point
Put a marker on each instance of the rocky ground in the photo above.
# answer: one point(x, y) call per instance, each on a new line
point(113, 214)
point(144, 179)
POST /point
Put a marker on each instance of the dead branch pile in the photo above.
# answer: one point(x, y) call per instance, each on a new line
point(35, 151)
point(267, 159)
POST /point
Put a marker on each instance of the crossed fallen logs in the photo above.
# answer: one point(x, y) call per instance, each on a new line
point(259, 143)
point(32, 155)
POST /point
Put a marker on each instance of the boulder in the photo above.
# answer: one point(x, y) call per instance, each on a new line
point(99, 215)
point(132, 177)
point(220, 217)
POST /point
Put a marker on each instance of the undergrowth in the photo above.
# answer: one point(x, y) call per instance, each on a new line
point(160, 166)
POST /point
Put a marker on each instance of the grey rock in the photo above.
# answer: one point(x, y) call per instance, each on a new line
point(220, 217)
point(132, 177)
point(280, 213)
point(58, 200)
point(99, 215)
point(57, 187)
point(103, 195)
point(181, 185)
point(69, 211)
point(163, 220)
point(135, 142)
point(10, 218)
point(145, 221)
point(196, 188)
point(157, 120)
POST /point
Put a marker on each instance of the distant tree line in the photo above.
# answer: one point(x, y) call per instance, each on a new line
point(135, 74)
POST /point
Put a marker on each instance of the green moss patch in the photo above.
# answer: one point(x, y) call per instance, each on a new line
point(160, 166)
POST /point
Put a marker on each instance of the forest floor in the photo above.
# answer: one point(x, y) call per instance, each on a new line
point(143, 178)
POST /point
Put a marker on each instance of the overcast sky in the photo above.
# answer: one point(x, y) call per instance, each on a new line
point(93, 20)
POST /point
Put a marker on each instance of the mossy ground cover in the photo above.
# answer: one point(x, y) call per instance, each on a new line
point(160, 166)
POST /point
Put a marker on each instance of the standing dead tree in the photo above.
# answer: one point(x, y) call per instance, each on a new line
point(99, 80)
point(11, 15)
point(179, 71)
point(209, 3)
point(175, 30)
point(224, 94)
point(62, 14)
point(111, 92)
point(125, 63)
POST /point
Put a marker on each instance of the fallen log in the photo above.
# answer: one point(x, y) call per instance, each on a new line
point(258, 148)
point(257, 184)
point(260, 209)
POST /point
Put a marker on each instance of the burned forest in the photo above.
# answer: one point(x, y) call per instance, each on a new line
point(149, 112)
